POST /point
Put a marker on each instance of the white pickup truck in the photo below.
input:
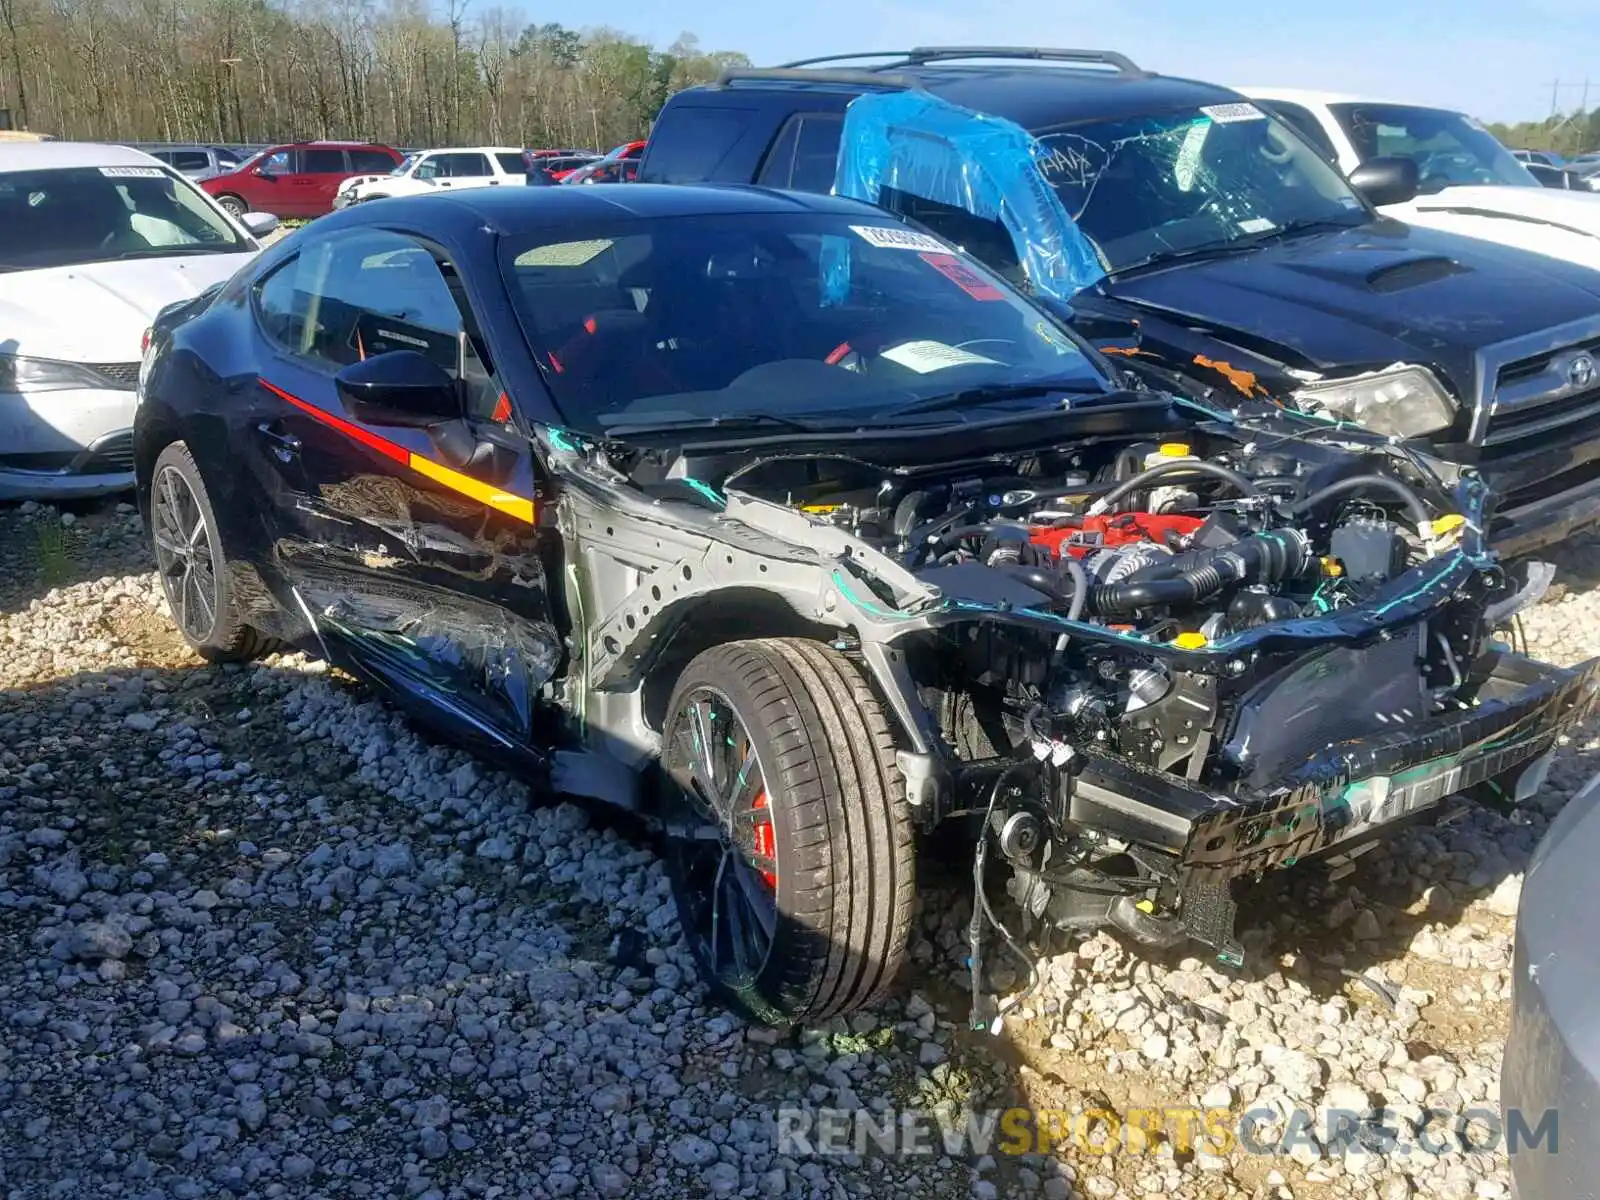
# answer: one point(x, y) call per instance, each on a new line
point(447, 169)
point(1467, 182)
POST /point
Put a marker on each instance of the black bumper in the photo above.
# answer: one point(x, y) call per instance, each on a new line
point(1351, 789)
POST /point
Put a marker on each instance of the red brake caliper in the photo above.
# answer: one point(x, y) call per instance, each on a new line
point(764, 844)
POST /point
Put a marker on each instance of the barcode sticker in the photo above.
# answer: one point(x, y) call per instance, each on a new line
point(1227, 114)
point(887, 237)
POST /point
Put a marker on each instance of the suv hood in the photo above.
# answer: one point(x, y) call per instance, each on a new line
point(1559, 223)
point(98, 312)
point(1367, 296)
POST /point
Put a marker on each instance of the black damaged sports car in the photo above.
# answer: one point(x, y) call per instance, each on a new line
point(815, 514)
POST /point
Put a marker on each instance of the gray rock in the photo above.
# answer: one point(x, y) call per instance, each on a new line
point(96, 940)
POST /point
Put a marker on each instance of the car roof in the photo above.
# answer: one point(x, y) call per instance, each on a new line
point(1036, 95)
point(471, 150)
point(1039, 97)
point(43, 156)
point(514, 211)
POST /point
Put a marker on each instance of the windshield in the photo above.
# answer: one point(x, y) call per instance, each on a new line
point(1155, 187)
point(405, 164)
point(56, 218)
point(808, 318)
point(1447, 147)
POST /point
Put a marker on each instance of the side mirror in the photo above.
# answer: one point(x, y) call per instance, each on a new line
point(1387, 180)
point(399, 388)
point(264, 173)
point(258, 224)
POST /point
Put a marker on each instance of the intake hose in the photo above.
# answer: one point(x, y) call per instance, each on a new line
point(1050, 583)
point(1197, 466)
point(1368, 483)
point(1270, 557)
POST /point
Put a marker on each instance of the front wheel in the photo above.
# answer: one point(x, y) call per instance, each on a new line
point(234, 205)
point(788, 841)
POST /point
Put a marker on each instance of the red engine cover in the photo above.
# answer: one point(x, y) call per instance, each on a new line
point(1113, 529)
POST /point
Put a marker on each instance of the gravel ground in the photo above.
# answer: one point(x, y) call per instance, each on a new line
point(259, 938)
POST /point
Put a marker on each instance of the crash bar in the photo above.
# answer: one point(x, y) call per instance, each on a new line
point(930, 54)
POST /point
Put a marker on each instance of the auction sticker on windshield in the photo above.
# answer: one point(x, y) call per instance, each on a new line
point(923, 357)
point(133, 172)
point(888, 238)
point(1227, 114)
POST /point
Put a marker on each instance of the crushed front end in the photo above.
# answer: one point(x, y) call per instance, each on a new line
point(1151, 669)
point(1146, 655)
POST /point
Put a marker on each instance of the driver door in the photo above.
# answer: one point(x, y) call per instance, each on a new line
point(417, 556)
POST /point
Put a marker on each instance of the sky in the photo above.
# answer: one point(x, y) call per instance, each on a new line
point(1495, 59)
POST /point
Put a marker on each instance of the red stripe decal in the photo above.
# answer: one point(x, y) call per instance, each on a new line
point(371, 440)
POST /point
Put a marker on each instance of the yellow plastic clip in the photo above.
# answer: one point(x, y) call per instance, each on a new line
point(1448, 524)
point(1332, 567)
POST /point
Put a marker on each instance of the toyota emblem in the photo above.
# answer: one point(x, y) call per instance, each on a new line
point(1580, 371)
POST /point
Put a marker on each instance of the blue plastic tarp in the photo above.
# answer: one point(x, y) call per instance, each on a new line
point(990, 167)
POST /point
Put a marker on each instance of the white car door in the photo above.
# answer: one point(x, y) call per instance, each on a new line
point(462, 169)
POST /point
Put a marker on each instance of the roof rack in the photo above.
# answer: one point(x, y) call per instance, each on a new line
point(878, 79)
point(923, 55)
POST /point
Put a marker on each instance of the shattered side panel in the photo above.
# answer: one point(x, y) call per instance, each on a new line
point(459, 646)
point(923, 146)
point(429, 591)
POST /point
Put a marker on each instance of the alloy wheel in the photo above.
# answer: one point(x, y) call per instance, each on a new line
point(185, 556)
point(720, 837)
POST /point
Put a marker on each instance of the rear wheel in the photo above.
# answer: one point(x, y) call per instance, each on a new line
point(788, 845)
point(235, 206)
point(192, 564)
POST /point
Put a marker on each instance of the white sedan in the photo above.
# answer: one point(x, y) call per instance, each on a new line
point(94, 241)
point(439, 170)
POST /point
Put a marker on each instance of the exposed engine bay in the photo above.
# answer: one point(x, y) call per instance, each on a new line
point(1143, 667)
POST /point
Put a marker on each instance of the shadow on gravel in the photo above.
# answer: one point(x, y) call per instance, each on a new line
point(38, 552)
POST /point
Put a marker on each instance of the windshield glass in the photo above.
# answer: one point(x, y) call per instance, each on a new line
point(821, 319)
point(72, 215)
point(1154, 187)
point(405, 164)
point(1447, 147)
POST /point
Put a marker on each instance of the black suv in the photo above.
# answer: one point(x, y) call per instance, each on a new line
point(1237, 258)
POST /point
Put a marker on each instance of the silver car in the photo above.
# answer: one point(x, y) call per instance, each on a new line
point(1550, 1080)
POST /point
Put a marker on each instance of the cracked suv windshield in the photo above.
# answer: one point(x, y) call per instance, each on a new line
point(814, 320)
point(1225, 176)
point(56, 218)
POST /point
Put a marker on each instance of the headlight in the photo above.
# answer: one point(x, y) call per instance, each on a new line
point(19, 374)
point(1400, 401)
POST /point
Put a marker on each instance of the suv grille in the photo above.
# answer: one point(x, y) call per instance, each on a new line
point(1548, 399)
point(124, 375)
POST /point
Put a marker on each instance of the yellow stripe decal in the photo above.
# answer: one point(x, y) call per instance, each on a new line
point(512, 506)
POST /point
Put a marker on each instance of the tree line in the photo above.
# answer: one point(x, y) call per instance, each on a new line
point(1568, 134)
point(391, 71)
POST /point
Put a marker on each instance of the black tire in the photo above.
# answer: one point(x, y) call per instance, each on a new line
point(235, 205)
point(195, 577)
point(840, 839)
